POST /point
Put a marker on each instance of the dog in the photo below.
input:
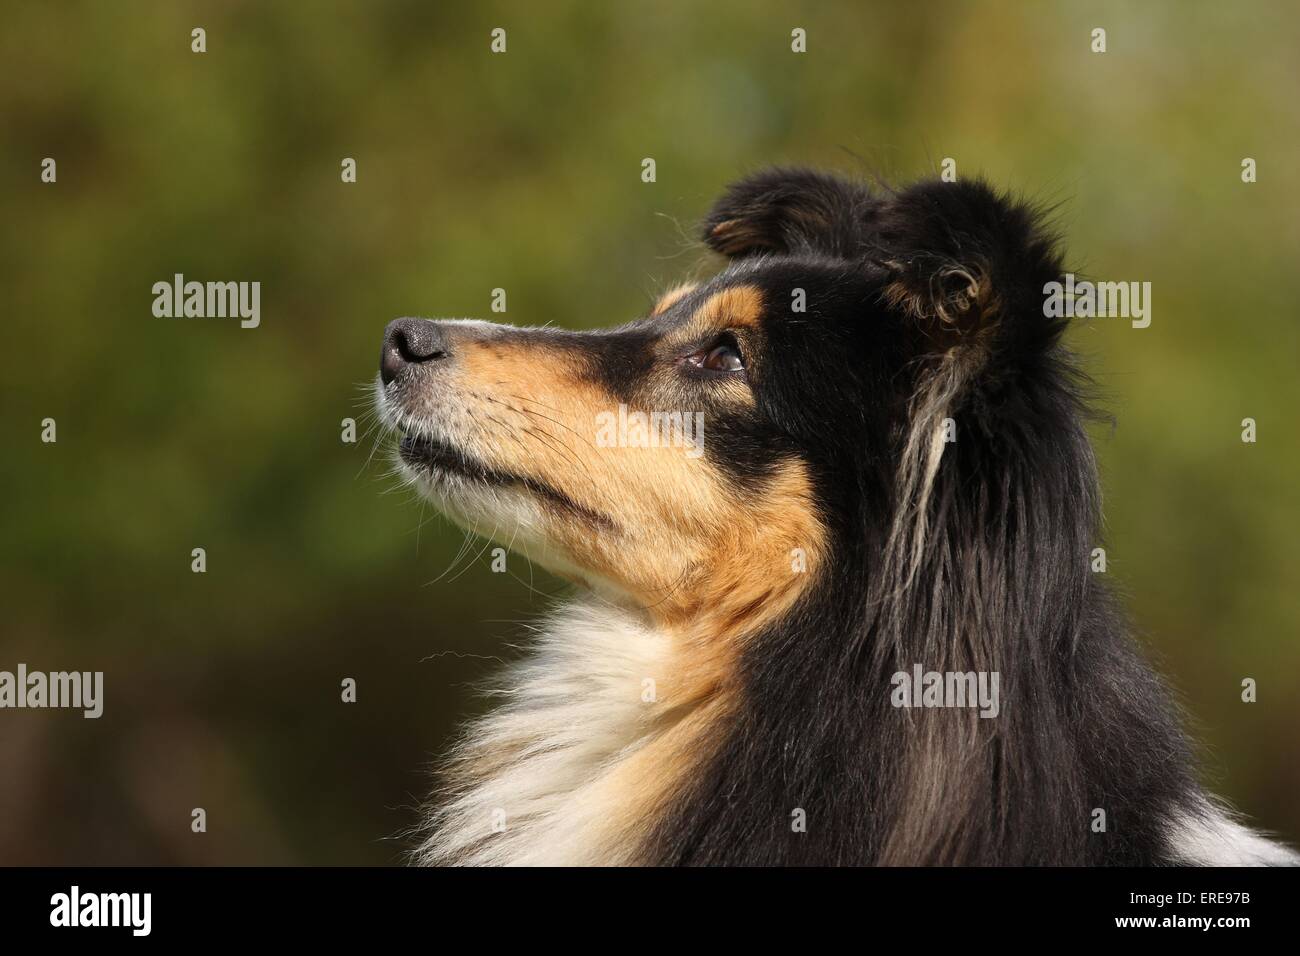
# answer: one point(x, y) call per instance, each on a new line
point(887, 500)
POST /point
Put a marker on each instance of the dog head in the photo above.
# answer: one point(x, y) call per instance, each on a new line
point(706, 458)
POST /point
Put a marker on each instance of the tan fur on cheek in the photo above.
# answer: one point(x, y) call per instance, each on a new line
point(750, 577)
point(679, 539)
point(537, 417)
point(584, 758)
point(665, 528)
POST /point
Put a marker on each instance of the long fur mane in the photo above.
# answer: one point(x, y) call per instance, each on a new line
point(962, 556)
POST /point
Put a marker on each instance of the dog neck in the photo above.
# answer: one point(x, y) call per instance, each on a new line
point(592, 735)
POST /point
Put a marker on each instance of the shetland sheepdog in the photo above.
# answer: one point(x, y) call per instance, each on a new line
point(829, 515)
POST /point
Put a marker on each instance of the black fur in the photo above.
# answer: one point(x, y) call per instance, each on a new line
point(937, 287)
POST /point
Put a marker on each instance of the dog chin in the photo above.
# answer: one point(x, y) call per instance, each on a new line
point(498, 506)
point(508, 515)
point(488, 509)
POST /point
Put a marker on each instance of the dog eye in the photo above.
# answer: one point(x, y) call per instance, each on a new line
point(723, 357)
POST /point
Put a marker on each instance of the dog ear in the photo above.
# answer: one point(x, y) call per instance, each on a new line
point(789, 211)
point(966, 264)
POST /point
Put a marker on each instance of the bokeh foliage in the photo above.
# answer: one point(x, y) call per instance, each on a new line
point(522, 171)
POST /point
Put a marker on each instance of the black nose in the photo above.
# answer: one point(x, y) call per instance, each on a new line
point(410, 342)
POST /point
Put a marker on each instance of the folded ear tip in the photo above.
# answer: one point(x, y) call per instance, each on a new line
point(946, 298)
point(784, 208)
point(732, 237)
point(717, 228)
point(967, 254)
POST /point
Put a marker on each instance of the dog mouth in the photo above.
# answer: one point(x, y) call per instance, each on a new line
point(438, 459)
point(433, 455)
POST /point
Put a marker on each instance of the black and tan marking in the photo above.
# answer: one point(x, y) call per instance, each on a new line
point(521, 407)
point(921, 305)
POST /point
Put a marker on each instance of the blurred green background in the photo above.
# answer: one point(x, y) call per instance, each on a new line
point(522, 171)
